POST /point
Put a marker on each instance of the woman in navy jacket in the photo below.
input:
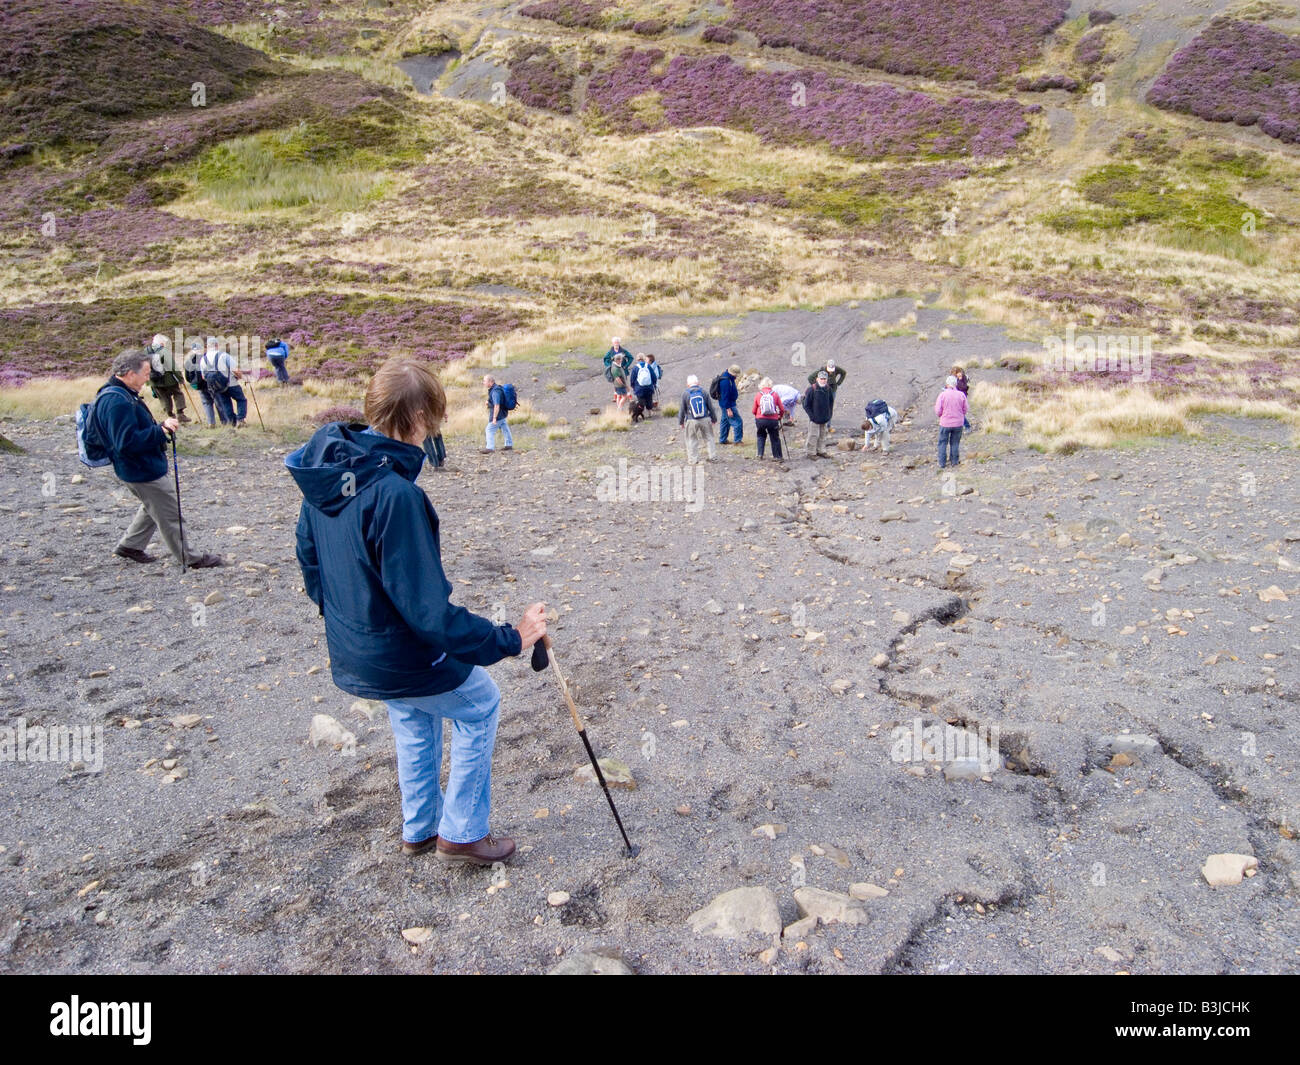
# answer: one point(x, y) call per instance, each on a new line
point(368, 547)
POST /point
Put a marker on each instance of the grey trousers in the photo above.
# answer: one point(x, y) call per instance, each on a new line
point(158, 511)
point(699, 429)
point(816, 439)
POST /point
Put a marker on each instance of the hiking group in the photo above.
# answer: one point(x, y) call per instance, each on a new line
point(774, 406)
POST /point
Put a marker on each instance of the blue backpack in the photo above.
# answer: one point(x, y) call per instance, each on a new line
point(509, 398)
point(92, 448)
point(699, 408)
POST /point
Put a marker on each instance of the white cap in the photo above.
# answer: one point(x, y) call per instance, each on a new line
point(830, 364)
point(159, 340)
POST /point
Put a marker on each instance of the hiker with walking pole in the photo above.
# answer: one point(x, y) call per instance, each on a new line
point(119, 427)
point(369, 548)
point(256, 406)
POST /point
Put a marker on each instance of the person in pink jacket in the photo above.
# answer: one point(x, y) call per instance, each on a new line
point(950, 409)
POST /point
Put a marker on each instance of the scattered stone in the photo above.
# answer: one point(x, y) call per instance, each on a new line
point(864, 892)
point(1271, 594)
point(805, 926)
point(417, 937)
point(768, 831)
point(738, 913)
point(880, 660)
point(684, 809)
point(1110, 954)
point(829, 907)
point(901, 617)
point(147, 608)
point(713, 607)
point(557, 898)
point(213, 598)
point(839, 687)
point(1222, 870)
point(186, 720)
point(893, 515)
point(1154, 576)
point(963, 769)
point(617, 774)
point(1134, 744)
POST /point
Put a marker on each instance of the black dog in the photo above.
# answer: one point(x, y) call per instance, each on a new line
point(638, 411)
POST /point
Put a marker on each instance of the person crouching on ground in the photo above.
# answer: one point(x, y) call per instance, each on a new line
point(950, 409)
point(369, 549)
point(789, 396)
point(881, 419)
point(138, 445)
point(768, 411)
point(496, 405)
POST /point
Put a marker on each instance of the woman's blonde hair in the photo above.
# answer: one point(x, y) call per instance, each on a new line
point(403, 394)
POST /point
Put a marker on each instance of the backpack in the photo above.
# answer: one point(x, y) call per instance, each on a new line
point(509, 398)
point(695, 398)
point(609, 371)
point(876, 408)
point(644, 378)
point(766, 404)
point(92, 448)
point(715, 388)
point(216, 379)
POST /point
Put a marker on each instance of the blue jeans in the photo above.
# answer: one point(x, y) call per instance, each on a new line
point(949, 441)
point(232, 404)
point(460, 816)
point(731, 422)
point(277, 364)
point(492, 434)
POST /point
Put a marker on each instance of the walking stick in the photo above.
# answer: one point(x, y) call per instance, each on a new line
point(180, 521)
point(539, 663)
point(252, 393)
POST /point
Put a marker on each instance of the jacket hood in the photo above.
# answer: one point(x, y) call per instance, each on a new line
point(342, 460)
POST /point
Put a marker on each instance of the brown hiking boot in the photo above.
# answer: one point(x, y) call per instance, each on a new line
point(412, 849)
point(206, 562)
point(485, 851)
point(134, 554)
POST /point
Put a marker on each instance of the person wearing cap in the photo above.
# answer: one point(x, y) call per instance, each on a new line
point(695, 409)
point(165, 381)
point(834, 378)
point(817, 404)
point(728, 398)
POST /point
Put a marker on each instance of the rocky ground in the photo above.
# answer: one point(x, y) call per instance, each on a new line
point(1122, 624)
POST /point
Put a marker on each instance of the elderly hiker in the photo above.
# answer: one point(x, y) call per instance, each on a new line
point(657, 372)
point(368, 546)
point(616, 353)
point(768, 411)
point(697, 408)
point(881, 419)
point(789, 396)
point(165, 381)
point(728, 400)
point(497, 413)
point(834, 378)
point(817, 404)
point(138, 447)
point(222, 376)
point(950, 409)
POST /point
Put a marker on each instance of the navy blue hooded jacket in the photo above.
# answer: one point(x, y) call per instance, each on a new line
point(728, 395)
point(370, 557)
point(137, 443)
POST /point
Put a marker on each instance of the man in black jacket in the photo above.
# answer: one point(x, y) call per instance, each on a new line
point(818, 401)
point(138, 445)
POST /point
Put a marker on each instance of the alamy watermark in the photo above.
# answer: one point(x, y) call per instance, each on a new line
point(944, 743)
point(651, 484)
point(53, 743)
point(1124, 353)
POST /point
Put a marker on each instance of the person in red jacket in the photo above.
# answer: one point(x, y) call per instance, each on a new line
point(768, 412)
